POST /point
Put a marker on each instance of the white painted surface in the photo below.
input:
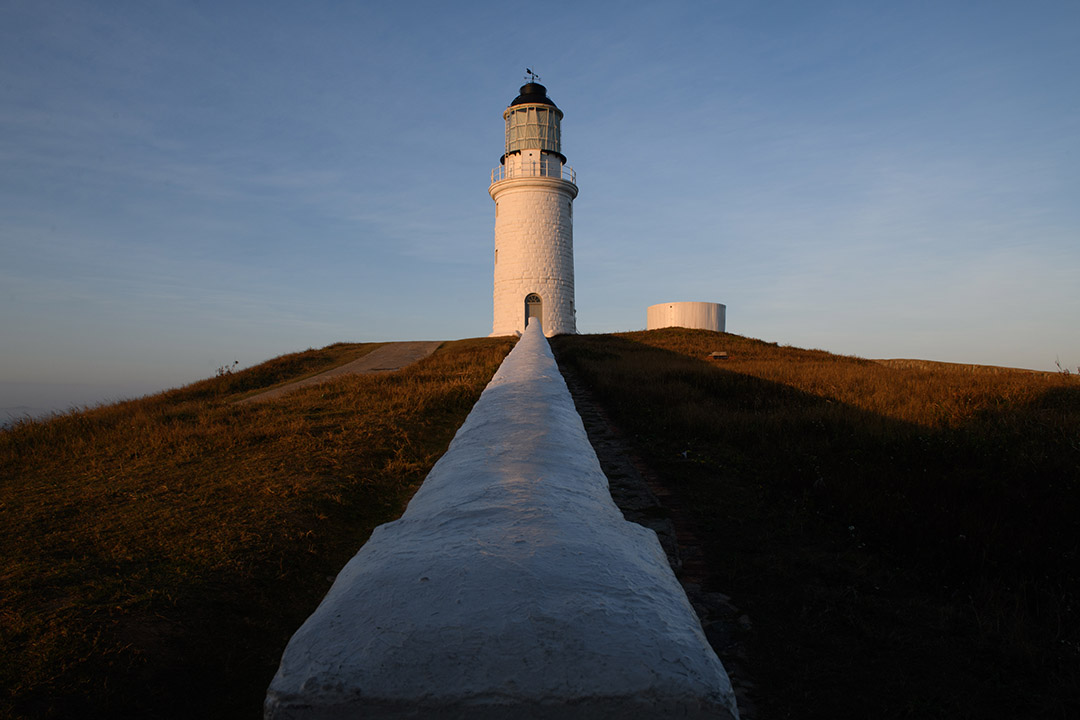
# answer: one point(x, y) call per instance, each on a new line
point(510, 588)
point(700, 315)
point(534, 240)
point(534, 250)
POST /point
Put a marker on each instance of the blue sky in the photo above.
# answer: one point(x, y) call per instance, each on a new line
point(185, 184)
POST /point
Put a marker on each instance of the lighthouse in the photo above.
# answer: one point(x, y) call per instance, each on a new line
point(534, 190)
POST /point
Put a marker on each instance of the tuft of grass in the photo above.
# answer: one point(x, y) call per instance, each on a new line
point(157, 554)
point(903, 535)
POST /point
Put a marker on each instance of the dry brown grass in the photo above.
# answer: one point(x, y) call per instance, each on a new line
point(905, 539)
point(158, 553)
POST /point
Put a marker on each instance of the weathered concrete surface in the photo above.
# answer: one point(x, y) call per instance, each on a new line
point(391, 356)
point(511, 587)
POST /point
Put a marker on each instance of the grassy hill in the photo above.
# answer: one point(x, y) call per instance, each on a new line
point(157, 554)
point(902, 539)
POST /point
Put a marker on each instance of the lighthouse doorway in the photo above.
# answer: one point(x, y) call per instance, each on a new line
point(534, 308)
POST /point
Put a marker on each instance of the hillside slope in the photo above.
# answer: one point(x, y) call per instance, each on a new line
point(157, 554)
point(903, 541)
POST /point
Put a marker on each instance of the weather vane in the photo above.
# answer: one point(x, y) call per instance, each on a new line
point(531, 76)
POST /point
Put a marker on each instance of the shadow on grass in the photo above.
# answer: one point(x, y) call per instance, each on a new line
point(891, 568)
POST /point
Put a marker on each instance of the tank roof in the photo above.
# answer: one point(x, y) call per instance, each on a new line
point(533, 94)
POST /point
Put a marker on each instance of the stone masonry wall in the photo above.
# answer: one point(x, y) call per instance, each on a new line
point(534, 253)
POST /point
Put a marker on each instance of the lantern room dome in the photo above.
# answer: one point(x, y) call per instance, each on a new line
point(533, 94)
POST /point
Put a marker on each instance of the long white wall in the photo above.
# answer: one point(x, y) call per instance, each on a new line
point(510, 588)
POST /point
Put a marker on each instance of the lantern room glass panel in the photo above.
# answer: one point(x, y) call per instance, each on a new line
point(530, 127)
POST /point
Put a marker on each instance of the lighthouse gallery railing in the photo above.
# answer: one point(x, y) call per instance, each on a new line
point(534, 169)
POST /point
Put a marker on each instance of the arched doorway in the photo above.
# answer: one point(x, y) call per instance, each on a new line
point(534, 308)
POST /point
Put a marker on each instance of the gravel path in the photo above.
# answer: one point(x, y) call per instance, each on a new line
point(389, 357)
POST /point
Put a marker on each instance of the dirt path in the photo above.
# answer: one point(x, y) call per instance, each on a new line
point(389, 357)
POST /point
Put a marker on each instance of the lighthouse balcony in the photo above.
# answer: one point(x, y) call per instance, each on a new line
point(540, 168)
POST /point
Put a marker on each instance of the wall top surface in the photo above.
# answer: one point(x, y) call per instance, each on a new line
point(511, 587)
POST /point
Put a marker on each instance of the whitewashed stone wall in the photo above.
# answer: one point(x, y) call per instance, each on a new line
point(534, 252)
point(510, 588)
point(700, 315)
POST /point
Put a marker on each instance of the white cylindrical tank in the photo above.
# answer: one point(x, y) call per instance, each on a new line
point(534, 193)
point(698, 315)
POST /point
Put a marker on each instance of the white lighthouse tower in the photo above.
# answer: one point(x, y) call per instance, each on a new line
point(534, 193)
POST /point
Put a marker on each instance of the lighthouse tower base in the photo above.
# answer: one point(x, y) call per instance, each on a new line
point(534, 254)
